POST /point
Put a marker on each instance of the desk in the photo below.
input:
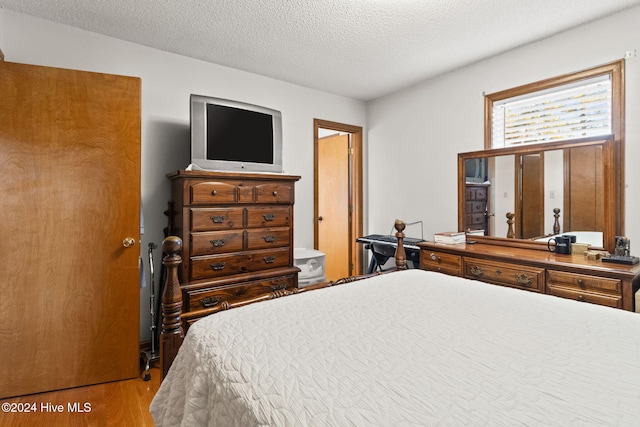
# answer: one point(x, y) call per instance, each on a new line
point(384, 247)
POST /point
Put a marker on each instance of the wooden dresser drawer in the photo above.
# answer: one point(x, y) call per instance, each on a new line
point(582, 287)
point(209, 267)
point(210, 297)
point(476, 193)
point(263, 238)
point(609, 300)
point(213, 219)
point(475, 219)
point(441, 262)
point(477, 207)
point(211, 193)
point(273, 193)
point(583, 282)
point(269, 216)
point(529, 278)
point(216, 242)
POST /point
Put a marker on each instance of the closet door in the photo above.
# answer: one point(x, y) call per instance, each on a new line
point(70, 198)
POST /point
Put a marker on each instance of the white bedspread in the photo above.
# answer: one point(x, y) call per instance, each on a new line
point(408, 348)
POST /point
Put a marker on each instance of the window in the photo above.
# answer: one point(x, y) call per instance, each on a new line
point(574, 106)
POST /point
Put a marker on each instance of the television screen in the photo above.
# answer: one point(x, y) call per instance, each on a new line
point(239, 135)
point(475, 170)
point(230, 135)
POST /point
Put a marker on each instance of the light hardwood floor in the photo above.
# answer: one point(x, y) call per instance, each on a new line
point(121, 403)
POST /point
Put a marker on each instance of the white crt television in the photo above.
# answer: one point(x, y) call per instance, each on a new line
point(230, 135)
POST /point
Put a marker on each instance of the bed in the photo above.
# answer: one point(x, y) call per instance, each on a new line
point(407, 348)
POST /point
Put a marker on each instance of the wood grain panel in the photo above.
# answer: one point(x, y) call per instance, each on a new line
point(212, 219)
point(268, 238)
point(210, 267)
point(269, 216)
point(333, 205)
point(585, 206)
point(70, 161)
point(120, 403)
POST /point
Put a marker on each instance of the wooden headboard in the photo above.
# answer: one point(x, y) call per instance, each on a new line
point(174, 321)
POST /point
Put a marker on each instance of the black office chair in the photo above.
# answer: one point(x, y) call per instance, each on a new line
point(381, 254)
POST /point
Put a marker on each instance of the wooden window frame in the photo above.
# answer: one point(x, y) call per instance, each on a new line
point(616, 72)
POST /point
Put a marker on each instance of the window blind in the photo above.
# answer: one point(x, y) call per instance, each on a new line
point(577, 110)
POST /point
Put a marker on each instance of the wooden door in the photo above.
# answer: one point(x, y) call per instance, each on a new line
point(529, 222)
point(333, 204)
point(70, 162)
point(584, 189)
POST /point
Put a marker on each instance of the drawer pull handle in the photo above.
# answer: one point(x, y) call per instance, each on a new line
point(214, 192)
point(275, 193)
point(218, 219)
point(279, 287)
point(269, 259)
point(580, 282)
point(270, 238)
point(580, 298)
point(209, 301)
point(269, 217)
point(218, 243)
point(477, 271)
point(218, 266)
point(523, 279)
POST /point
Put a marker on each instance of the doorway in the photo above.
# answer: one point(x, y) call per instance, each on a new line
point(338, 196)
point(530, 188)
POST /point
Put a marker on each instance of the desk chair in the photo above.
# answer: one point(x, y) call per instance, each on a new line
point(380, 256)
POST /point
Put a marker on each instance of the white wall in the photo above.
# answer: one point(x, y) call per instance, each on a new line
point(414, 135)
point(167, 81)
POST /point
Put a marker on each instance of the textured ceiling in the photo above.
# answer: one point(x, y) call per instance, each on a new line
point(357, 48)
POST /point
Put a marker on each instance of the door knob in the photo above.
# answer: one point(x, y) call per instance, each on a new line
point(127, 242)
point(319, 218)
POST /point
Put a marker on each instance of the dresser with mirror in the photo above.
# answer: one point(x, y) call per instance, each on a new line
point(530, 194)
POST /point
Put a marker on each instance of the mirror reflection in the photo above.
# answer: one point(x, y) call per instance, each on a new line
point(535, 195)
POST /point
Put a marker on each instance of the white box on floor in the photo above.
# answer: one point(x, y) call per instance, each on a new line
point(311, 263)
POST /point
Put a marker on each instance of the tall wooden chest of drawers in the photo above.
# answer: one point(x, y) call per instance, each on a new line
point(476, 206)
point(237, 233)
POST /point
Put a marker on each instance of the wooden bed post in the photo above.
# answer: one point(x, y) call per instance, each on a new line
point(401, 255)
point(171, 334)
point(511, 234)
point(556, 223)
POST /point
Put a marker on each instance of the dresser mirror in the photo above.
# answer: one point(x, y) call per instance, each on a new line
point(522, 196)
